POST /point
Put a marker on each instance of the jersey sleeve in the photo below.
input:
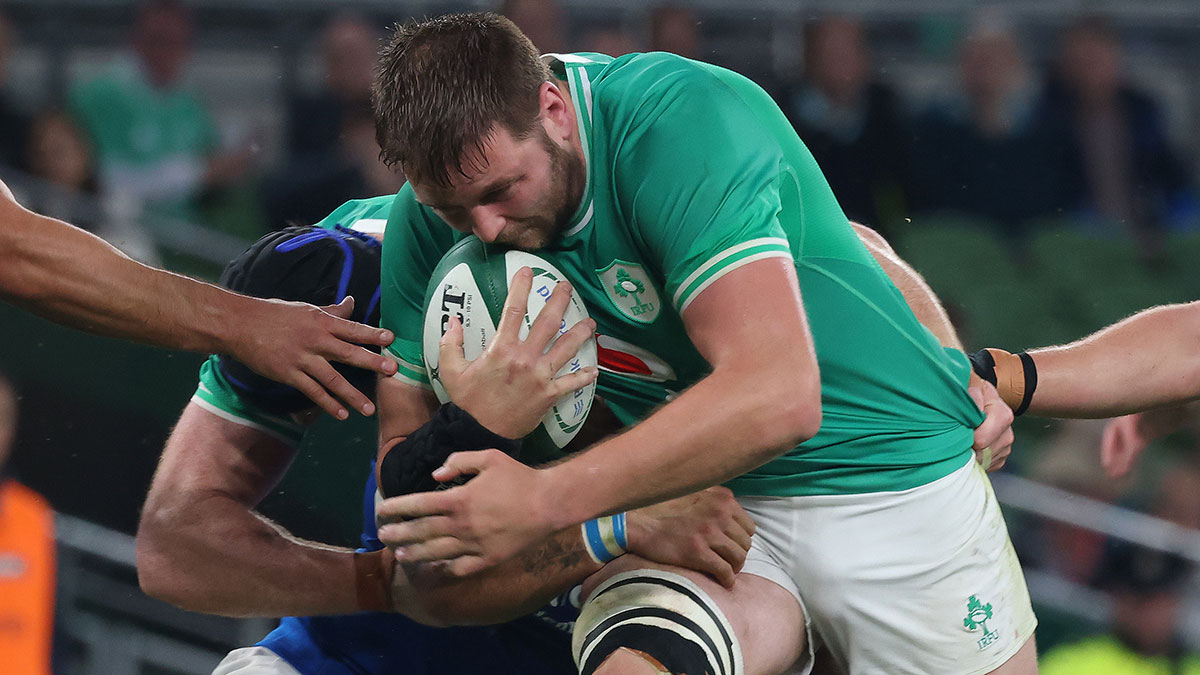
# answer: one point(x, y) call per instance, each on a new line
point(413, 244)
point(218, 396)
point(699, 174)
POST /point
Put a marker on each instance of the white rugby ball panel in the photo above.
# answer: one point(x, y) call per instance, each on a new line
point(457, 294)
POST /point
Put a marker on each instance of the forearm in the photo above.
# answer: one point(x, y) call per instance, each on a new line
point(1149, 360)
point(512, 589)
point(68, 275)
point(724, 426)
point(216, 556)
point(921, 299)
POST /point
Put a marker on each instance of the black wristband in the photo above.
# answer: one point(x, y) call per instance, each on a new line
point(984, 365)
point(1030, 382)
point(408, 465)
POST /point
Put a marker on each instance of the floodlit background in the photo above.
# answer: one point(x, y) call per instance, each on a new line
point(1035, 160)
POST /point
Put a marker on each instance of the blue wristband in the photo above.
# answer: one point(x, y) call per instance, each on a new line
point(604, 538)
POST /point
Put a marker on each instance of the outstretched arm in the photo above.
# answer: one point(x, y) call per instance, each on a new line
point(201, 545)
point(65, 274)
point(1149, 360)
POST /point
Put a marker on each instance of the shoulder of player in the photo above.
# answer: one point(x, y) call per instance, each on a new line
point(651, 74)
point(355, 210)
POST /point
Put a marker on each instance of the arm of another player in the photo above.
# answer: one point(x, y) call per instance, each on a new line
point(707, 531)
point(1149, 360)
point(920, 297)
point(994, 438)
point(201, 546)
point(65, 274)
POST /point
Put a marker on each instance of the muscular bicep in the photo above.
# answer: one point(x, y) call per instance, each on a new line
point(753, 317)
point(209, 453)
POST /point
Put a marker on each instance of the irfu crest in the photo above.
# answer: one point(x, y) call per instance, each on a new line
point(978, 614)
point(631, 291)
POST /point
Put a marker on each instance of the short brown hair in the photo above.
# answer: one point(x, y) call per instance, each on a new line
point(443, 84)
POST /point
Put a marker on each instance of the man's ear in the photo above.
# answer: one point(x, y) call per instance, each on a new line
point(557, 114)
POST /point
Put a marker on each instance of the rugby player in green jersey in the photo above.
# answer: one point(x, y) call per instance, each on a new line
point(788, 366)
point(65, 274)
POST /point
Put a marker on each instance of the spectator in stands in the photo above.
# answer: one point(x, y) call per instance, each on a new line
point(542, 20)
point(1147, 590)
point(27, 561)
point(675, 29)
point(14, 122)
point(989, 152)
point(1127, 171)
point(59, 154)
point(156, 145)
point(332, 154)
point(851, 122)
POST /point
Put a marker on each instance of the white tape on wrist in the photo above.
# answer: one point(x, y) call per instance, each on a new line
point(604, 538)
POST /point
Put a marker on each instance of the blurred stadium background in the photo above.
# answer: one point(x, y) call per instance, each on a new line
point(1036, 160)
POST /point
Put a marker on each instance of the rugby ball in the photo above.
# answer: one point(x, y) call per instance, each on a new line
point(471, 283)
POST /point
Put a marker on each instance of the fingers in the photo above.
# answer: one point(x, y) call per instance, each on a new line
point(358, 357)
point(433, 550)
point(549, 320)
point(998, 419)
point(465, 464)
point(567, 346)
point(335, 383)
point(411, 507)
point(515, 306)
point(315, 392)
point(451, 358)
point(718, 567)
point(745, 521)
point(740, 536)
point(352, 331)
point(731, 552)
point(574, 381)
point(399, 533)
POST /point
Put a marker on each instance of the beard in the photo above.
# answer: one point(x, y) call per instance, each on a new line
point(568, 177)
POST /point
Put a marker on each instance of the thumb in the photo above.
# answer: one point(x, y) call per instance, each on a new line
point(462, 464)
point(343, 309)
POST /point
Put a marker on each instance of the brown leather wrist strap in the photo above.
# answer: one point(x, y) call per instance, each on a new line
point(373, 573)
point(1016, 378)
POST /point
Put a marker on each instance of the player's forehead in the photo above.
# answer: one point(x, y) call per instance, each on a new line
point(500, 159)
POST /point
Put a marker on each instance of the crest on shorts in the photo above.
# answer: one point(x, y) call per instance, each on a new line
point(630, 290)
point(978, 614)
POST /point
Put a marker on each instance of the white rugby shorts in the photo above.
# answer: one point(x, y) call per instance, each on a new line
point(918, 582)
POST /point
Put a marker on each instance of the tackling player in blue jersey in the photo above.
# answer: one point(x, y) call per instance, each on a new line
point(202, 546)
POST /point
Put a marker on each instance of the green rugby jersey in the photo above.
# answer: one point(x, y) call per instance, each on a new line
point(217, 395)
point(693, 172)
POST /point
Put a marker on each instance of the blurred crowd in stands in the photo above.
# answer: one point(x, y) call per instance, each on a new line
point(1011, 144)
point(966, 184)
